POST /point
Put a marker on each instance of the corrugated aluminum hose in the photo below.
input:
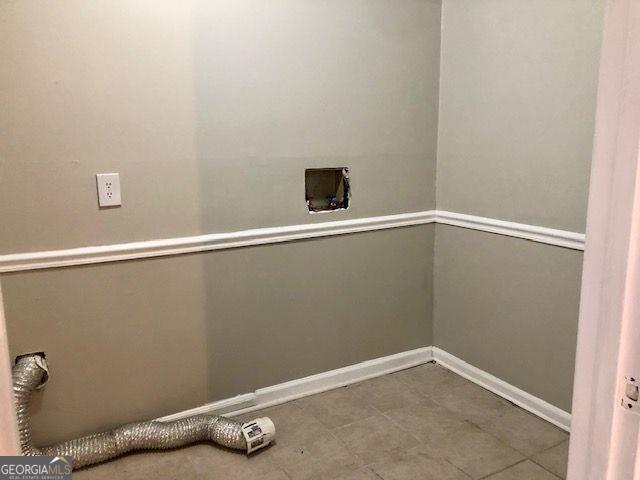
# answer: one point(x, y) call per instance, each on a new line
point(30, 372)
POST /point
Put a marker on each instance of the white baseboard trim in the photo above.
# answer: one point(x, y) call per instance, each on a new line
point(550, 236)
point(218, 241)
point(321, 382)
point(535, 405)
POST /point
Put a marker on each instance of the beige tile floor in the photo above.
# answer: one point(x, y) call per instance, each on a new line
point(421, 423)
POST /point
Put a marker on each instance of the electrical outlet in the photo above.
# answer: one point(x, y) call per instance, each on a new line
point(108, 189)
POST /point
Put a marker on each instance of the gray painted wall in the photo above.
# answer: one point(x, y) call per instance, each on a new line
point(147, 338)
point(509, 307)
point(517, 109)
point(211, 111)
point(518, 91)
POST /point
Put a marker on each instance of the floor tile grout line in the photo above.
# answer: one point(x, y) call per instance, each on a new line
point(381, 413)
point(377, 410)
point(471, 422)
point(346, 424)
point(546, 450)
point(375, 473)
point(445, 406)
point(503, 469)
point(286, 474)
point(421, 442)
point(411, 388)
point(397, 424)
point(458, 468)
point(527, 456)
point(346, 447)
point(551, 447)
point(546, 469)
point(499, 440)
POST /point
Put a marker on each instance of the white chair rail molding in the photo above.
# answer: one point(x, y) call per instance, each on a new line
point(262, 236)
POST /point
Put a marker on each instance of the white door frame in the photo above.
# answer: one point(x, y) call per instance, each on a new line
point(604, 436)
point(8, 431)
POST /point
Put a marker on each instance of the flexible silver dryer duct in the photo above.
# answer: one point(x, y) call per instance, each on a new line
point(30, 373)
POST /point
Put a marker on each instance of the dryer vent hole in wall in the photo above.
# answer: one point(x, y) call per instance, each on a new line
point(327, 189)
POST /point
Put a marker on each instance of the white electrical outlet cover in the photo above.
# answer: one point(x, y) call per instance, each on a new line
point(108, 189)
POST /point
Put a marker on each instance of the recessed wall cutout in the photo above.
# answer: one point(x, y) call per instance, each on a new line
point(327, 189)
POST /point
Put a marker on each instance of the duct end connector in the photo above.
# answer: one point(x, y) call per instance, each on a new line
point(258, 433)
point(41, 361)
